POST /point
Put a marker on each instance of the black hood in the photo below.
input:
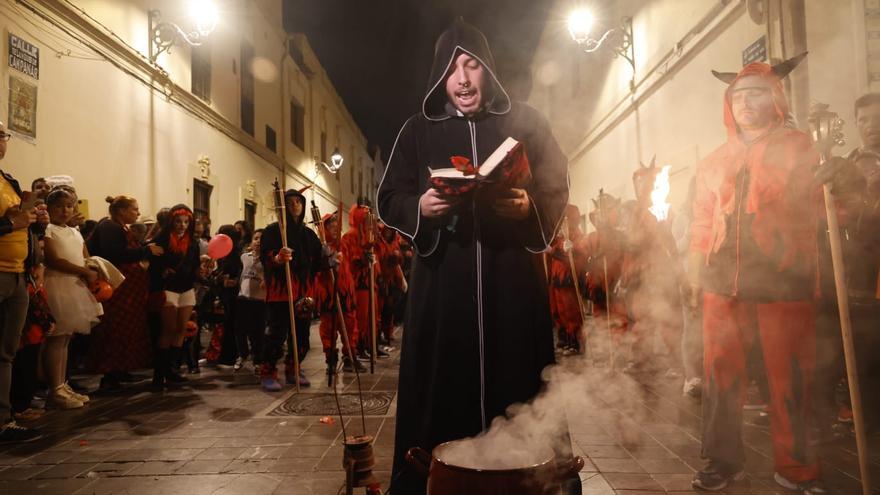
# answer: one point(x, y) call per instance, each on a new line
point(295, 194)
point(458, 38)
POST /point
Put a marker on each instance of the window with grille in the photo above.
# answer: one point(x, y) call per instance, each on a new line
point(202, 199)
point(201, 72)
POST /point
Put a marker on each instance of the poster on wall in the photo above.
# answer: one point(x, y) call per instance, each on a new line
point(24, 57)
point(22, 107)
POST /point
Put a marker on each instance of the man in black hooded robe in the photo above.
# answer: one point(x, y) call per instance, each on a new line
point(478, 329)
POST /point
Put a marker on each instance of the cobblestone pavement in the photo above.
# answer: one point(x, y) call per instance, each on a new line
point(215, 436)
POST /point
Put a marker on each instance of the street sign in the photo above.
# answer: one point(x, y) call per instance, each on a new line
point(24, 57)
point(756, 52)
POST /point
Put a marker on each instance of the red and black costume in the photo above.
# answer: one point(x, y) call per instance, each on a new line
point(356, 253)
point(390, 282)
point(651, 275)
point(604, 261)
point(304, 267)
point(754, 229)
point(565, 304)
point(325, 294)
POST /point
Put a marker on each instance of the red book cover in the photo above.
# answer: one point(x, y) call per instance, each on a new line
point(507, 167)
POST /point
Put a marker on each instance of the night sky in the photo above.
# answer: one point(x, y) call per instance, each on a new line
point(378, 53)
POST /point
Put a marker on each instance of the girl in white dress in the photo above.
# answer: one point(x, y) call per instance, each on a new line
point(67, 289)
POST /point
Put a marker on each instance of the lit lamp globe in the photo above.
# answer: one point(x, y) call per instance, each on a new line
point(580, 23)
point(336, 160)
point(204, 15)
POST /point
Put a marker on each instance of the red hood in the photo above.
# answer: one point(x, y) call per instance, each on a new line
point(765, 71)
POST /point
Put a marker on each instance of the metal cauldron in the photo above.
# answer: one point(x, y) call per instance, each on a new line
point(445, 478)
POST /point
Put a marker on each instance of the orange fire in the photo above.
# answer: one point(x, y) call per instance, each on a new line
point(659, 207)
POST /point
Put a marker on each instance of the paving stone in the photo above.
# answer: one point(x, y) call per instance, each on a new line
point(64, 471)
point(665, 466)
point(630, 481)
point(204, 467)
point(617, 466)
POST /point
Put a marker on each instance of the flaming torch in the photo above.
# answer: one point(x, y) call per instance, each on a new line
point(659, 206)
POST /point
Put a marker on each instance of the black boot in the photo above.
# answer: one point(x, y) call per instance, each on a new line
point(173, 364)
point(332, 361)
point(160, 363)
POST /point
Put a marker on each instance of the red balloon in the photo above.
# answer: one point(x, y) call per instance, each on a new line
point(219, 246)
point(102, 290)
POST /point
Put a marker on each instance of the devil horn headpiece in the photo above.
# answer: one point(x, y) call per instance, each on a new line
point(781, 69)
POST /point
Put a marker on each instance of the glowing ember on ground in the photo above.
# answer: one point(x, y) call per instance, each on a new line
point(659, 207)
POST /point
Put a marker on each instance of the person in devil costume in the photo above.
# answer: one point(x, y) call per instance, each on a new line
point(565, 304)
point(325, 299)
point(391, 283)
point(753, 260)
point(304, 254)
point(359, 253)
point(651, 278)
point(478, 329)
point(603, 249)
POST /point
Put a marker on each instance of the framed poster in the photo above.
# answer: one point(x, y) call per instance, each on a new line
point(24, 57)
point(22, 107)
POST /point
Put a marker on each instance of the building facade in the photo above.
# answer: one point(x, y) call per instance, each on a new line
point(674, 111)
point(211, 126)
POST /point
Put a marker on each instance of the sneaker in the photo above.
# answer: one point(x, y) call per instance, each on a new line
point(11, 432)
point(80, 397)
point(845, 415)
point(808, 487)
point(716, 476)
point(236, 366)
point(303, 381)
point(270, 383)
point(350, 366)
point(195, 370)
point(693, 387)
point(62, 399)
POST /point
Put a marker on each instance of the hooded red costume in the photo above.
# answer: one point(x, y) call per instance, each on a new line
point(389, 278)
point(564, 304)
point(754, 230)
point(324, 297)
point(651, 275)
point(355, 247)
point(604, 256)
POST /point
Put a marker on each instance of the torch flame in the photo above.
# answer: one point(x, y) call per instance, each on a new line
point(659, 207)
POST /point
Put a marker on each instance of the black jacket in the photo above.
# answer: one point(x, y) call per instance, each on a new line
point(110, 242)
point(175, 272)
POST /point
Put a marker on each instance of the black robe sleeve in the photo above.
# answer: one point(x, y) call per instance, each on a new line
point(548, 190)
point(400, 191)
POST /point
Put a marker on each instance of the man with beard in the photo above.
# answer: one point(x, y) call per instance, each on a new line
point(753, 256)
point(477, 331)
point(855, 183)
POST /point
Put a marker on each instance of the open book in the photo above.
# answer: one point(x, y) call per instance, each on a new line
point(507, 167)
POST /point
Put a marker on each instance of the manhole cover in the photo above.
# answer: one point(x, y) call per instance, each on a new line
point(375, 404)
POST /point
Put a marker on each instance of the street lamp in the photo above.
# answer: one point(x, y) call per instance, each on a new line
point(165, 34)
point(336, 160)
point(580, 23)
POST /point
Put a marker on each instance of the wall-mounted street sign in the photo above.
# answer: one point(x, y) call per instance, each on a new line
point(24, 57)
point(756, 52)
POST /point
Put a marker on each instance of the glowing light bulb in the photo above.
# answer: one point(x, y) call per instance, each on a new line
point(204, 15)
point(580, 22)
